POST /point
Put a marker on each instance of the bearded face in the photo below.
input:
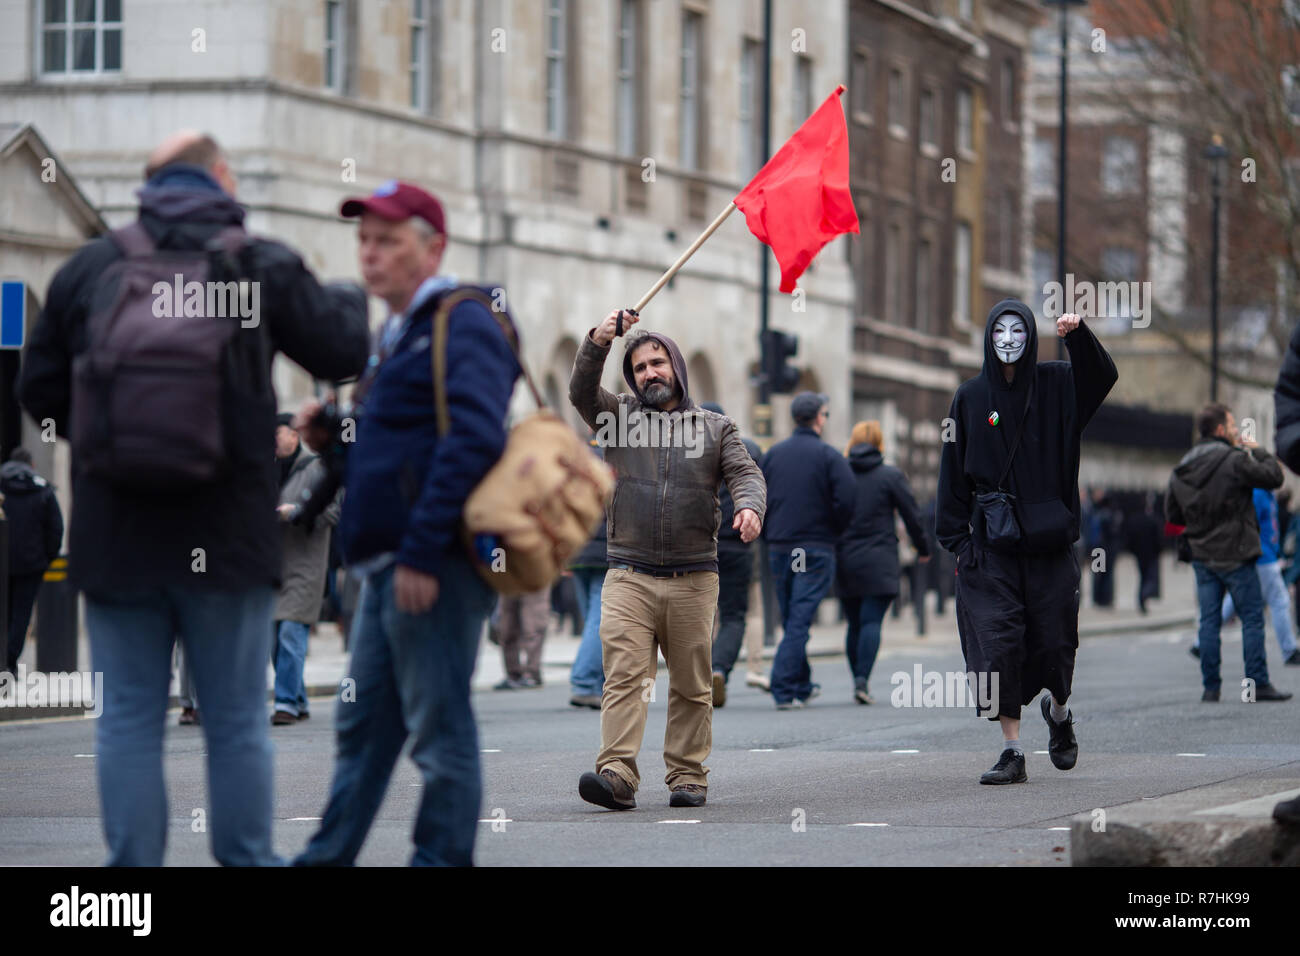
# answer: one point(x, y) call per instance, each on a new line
point(653, 371)
point(1010, 334)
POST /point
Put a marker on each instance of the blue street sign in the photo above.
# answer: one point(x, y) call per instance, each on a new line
point(13, 306)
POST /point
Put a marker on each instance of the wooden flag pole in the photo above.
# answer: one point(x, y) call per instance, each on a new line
point(681, 261)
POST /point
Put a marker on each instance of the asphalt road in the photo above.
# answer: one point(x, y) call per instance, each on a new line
point(835, 784)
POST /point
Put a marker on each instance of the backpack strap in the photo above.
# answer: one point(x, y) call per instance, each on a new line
point(134, 240)
point(1029, 399)
point(438, 348)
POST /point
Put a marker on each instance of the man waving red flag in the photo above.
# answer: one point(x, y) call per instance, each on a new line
point(800, 200)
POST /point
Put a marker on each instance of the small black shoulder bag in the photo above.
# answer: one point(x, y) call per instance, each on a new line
point(995, 512)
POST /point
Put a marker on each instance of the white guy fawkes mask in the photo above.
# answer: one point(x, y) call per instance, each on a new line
point(1009, 337)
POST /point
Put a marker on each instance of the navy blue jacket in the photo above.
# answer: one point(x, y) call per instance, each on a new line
point(810, 491)
point(406, 486)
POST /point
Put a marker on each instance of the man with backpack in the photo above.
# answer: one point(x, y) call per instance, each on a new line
point(423, 604)
point(172, 421)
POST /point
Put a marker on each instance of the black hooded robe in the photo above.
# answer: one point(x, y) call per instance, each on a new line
point(1018, 611)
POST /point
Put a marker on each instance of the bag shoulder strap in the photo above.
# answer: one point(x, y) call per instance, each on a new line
point(1015, 445)
point(134, 240)
point(438, 348)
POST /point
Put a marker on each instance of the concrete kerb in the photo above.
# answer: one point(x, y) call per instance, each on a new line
point(1223, 824)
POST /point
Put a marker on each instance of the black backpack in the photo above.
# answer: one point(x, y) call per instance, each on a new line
point(148, 392)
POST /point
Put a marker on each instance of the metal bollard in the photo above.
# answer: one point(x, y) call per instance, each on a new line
point(56, 621)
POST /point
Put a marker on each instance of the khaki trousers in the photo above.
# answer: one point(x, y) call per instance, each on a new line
point(640, 615)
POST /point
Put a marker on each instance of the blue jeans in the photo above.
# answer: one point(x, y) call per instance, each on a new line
point(409, 677)
point(862, 642)
point(226, 637)
point(1243, 584)
point(588, 674)
point(1278, 599)
point(289, 655)
point(798, 593)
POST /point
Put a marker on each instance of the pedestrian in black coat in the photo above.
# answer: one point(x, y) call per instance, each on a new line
point(35, 534)
point(1018, 604)
point(866, 556)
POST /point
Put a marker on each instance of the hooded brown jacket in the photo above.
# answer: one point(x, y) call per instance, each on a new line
point(665, 511)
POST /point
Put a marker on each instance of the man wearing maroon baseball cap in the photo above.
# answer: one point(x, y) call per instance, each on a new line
point(422, 607)
point(397, 201)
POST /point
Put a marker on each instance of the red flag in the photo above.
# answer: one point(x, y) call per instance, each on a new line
point(800, 200)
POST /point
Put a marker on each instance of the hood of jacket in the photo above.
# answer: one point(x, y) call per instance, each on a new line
point(679, 371)
point(184, 202)
point(865, 457)
point(18, 478)
point(1028, 360)
point(1200, 463)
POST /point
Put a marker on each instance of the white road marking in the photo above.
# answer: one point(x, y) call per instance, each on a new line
point(905, 751)
point(868, 824)
point(300, 819)
point(679, 821)
point(763, 750)
point(1189, 755)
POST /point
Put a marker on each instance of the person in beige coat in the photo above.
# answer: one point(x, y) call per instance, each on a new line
point(302, 578)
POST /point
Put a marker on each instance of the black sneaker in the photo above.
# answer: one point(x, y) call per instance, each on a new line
point(1195, 651)
point(1269, 692)
point(607, 789)
point(687, 795)
point(1010, 768)
point(1063, 748)
point(1210, 696)
point(1288, 812)
point(1293, 658)
point(508, 683)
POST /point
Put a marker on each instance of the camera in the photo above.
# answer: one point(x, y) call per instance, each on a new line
point(339, 423)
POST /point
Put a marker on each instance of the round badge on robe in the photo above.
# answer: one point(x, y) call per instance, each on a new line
point(993, 418)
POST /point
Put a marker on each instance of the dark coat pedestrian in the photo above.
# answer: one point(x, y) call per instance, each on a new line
point(866, 558)
point(35, 534)
point(1018, 603)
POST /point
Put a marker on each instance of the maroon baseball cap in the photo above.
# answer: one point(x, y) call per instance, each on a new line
point(396, 201)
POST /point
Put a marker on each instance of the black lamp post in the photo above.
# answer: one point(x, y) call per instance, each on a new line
point(1061, 159)
point(1216, 153)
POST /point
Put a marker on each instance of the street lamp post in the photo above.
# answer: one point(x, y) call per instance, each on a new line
point(1216, 153)
point(1061, 159)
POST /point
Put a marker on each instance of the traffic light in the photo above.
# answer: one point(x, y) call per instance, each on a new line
point(778, 349)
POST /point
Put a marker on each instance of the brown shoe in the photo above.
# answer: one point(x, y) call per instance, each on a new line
point(607, 789)
point(687, 795)
point(282, 718)
point(189, 715)
point(719, 689)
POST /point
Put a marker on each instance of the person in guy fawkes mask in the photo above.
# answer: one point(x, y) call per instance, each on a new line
point(1008, 509)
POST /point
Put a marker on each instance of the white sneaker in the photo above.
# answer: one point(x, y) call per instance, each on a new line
point(753, 679)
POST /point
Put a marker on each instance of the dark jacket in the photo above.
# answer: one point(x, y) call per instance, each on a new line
point(729, 537)
point(810, 491)
point(866, 558)
point(35, 521)
point(665, 510)
point(406, 486)
point(1211, 492)
point(1286, 405)
point(122, 540)
point(1044, 476)
point(592, 555)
